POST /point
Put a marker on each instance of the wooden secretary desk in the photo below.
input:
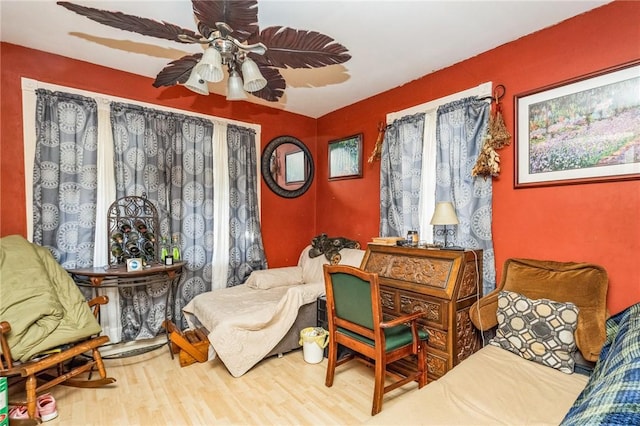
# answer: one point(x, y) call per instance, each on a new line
point(441, 283)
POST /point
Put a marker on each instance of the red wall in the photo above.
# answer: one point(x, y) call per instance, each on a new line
point(595, 222)
point(288, 224)
point(591, 222)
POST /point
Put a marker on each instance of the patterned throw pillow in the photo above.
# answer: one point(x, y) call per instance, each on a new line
point(538, 330)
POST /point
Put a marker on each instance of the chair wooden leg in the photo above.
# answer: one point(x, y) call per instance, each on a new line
point(331, 364)
point(378, 390)
point(30, 388)
point(422, 365)
point(97, 357)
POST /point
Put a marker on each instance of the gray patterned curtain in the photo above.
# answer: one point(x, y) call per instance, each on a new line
point(168, 158)
point(65, 176)
point(461, 127)
point(246, 251)
point(400, 171)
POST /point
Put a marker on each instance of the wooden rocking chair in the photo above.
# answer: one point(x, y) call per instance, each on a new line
point(57, 367)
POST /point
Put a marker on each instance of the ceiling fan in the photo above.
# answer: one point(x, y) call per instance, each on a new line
point(229, 30)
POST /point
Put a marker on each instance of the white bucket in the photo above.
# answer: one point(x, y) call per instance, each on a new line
point(313, 341)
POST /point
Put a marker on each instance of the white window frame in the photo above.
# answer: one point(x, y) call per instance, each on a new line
point(29, 99)
point(428, 173)
point(110, 318)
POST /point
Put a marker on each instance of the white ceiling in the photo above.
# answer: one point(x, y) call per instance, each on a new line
point(391, 42)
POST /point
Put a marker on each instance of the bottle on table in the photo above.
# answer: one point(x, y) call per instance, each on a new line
point(175, 248)
point(164, 249)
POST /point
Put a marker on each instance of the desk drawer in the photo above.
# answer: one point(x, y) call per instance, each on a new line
point(398, 302)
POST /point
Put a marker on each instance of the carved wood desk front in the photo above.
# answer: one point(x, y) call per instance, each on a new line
point(441, 283)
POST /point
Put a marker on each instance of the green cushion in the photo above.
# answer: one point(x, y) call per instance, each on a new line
point(352, 298)
point(395, 337)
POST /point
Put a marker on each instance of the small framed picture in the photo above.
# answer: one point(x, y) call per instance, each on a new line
point(345, 158)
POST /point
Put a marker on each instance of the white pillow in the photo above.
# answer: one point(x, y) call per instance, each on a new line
point(312, 268)
point(351, 257)
point(276, 277)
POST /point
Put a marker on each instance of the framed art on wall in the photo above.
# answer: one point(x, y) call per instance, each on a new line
point(580, 131)
point(345, 158)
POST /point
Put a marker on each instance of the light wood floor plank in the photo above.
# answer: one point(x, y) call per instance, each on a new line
point(152, 389)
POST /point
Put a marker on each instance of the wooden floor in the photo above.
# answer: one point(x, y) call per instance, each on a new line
point(152, 389)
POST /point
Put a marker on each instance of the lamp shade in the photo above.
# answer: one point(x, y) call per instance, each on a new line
point(444, 214)
point(196, 83)
point(210, 66)
point(235, 91)
point(253, 79)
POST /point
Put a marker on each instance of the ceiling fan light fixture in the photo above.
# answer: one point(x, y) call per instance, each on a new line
point(210, 66)
point(235, 90)
point(278, 47)
point(253, 79)
point(197, 83)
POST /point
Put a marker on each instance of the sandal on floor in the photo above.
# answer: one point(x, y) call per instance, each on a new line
point(18, 412)
point(47, 407)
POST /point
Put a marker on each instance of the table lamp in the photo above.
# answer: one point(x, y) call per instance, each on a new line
point(444, 214)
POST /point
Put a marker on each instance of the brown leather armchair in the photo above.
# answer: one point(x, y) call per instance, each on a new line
point(584, 284)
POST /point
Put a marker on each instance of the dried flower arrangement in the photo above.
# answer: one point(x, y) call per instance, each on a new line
point(497, 137)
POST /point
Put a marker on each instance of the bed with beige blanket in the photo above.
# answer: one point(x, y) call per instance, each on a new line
point(550, 319)
point(247, 322)
point(491, 387)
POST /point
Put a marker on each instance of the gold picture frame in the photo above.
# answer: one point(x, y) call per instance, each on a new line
point(581, 130)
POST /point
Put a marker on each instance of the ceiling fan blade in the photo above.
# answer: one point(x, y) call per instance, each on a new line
point(136, 24)
point(275, 83)
point(241, 15)
point(288, 47)
point(177, 71)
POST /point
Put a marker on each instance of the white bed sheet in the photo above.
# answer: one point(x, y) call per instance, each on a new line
point(244, 323)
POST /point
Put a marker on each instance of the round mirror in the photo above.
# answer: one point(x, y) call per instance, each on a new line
point(287, 166)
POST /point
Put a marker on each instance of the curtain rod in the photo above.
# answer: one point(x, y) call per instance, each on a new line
point(483, 89)
point(498, 93)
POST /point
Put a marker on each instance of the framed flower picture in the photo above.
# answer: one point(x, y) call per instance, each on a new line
point(579, 131)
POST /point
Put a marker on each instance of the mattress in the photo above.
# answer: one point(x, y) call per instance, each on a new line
point(492, 386)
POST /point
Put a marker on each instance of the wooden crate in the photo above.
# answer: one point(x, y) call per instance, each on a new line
point(190, 345)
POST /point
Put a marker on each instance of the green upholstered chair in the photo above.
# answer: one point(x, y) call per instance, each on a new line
point(354, 314)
